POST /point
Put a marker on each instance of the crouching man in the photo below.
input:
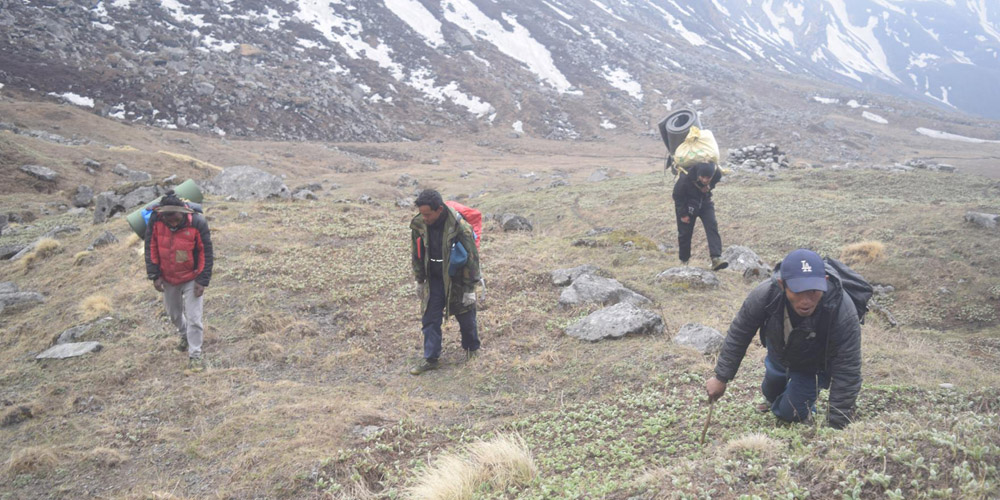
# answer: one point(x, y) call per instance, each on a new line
point(810, 328)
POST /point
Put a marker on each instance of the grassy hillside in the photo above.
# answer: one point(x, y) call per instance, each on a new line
point(311, 327)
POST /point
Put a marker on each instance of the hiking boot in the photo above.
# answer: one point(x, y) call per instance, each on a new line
point(426, 366)
point(718, 264)
point(183, 345)
point(196, 365)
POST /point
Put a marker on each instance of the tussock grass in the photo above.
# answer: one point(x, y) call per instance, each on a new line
point(264, 322)
point(82, 257)
point(106, 458)
point(755, 443)
point(32, 459)
point(266, 351)
point(864, 252)
point(94, 306)
point(45, 248)
point(501, 462)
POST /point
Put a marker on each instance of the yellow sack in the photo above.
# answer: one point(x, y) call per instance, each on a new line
point(698, 147)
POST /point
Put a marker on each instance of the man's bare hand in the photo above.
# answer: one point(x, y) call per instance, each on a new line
point(686, 219)
point(715, 388)
point(158, 284)
point(198, 290)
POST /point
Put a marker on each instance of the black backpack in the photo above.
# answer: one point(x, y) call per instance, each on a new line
point(854, 285)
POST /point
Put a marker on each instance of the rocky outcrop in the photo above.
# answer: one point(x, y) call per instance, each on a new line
point(704, 339)
point(588, 288)
point(616, 321)
point(244, 182)
point(688, 277)
point(744, 260)
point(41, 173)
point(565, 277)
point(987, 221)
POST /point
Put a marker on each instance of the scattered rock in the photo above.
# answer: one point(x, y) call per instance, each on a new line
point(106, 205)
point(244, 182)
point(78, 332)
point(39, 172)
point(689, 277)
point(946, 386)
point(8, 251)
point(313, 186)
point(988, 221)
point(16, 301)
point(70, 350)
point(405, 202)
point(598, 175)
point(139, 196)
point(366, 200)
point(305, 194)
point(588, 288)
point(743, 260)
point(406, 181)
point(512, 222)
point(564, 277)
point(131, 175)
point(87, 162)
point(83, 197)
point(105, 239)
point(705, 339)
point(558, 183)
point(616, 321)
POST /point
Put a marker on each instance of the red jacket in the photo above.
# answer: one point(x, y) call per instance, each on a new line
point(179, 255)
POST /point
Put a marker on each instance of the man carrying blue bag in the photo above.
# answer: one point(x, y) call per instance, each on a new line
point(446, 265)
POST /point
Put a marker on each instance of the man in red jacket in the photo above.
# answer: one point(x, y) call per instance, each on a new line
point(179, 261)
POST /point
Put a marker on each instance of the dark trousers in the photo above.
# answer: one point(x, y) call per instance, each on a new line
point(434, 315)
point(792, 394)
point(685, 231)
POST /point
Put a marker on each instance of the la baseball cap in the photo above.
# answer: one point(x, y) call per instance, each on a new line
point(803, 270)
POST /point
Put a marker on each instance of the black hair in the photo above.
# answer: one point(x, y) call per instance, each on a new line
point(430, 198)
point(706, 169)
point(171, 199)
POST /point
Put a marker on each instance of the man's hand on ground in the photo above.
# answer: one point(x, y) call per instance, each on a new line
point(158, 284)
point(715, 388)
point(198, 289)
point(468, 299)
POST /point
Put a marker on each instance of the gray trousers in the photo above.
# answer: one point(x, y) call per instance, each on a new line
point(184, 310)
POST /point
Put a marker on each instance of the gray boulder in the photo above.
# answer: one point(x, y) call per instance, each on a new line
point(83, 197)
point(405, 202)
point(70, 350)
point(743, 260)
point(598, 176)
point(513, 222)
point(60, 231)
point(588, 288)
point(8, 287)
point(705, 339)
point(564, 277)
point(103, 240)
point(16, 301)
point(689, 277)
point(244, 182)
point(139, 196)
point(78, 332)
point(39, 172)
point(616, 321)
point(988, 221)
point(305, 194)
point(8, 251)
point(131, 175)
point(106, 205)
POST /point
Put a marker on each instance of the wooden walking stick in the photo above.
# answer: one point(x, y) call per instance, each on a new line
point(708, 421)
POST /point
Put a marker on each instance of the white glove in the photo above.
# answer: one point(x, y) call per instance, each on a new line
point(468, 299)
point(420, 291)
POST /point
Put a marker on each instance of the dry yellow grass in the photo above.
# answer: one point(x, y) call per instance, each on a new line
point(32, 459)
point(132, 239)
point(754, 443)
point(106, 457)
point(80, 258)
point(502, 461)
point(261, 323)
point(863, 252)
point(46, 247)
point(94, 306)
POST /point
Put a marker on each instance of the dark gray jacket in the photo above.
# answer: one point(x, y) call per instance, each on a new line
point(835, 320)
